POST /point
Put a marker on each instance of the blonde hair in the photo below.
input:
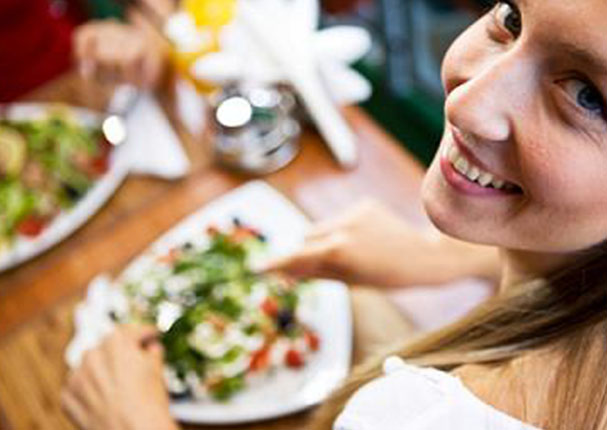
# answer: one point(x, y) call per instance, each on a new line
point(567, 311)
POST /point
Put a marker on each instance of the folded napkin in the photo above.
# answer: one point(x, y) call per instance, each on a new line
point(153, 147)
point(92, 318)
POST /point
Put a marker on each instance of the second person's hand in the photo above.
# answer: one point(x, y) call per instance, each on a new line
point(112, 52)
point(120, 385)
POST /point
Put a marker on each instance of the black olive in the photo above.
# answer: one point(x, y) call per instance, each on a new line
point(181, 395)
point(236, 221)
point(72, 193)
point(285, 319)
point(187, 246)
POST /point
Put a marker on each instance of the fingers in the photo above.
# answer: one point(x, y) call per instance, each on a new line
point(75, 410)
point(84, 50)
point(81, 394)
point(125, 369)
point(346, 221)
point(314, 260)
point(139, 333)
point(137, 339)
point(321, 230)
point(151, 68)
point(112, 52)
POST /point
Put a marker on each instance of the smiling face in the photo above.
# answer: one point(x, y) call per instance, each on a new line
point(523, 161)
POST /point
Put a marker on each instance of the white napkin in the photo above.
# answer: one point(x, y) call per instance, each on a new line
point(92, 319)
point(153, 147)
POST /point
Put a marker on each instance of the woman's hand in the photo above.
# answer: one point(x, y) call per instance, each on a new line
point(113, 52)
point(120, 385)
point(370, 245)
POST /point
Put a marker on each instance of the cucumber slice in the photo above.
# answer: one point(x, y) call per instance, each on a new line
point(13, 152)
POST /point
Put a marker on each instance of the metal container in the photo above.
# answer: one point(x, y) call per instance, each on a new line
point(256, 128)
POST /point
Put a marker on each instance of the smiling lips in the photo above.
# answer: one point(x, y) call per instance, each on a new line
point(462, 173)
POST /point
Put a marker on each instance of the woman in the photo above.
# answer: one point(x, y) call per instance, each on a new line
point(522, 166)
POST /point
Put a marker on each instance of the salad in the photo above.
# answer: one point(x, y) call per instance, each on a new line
point(46, 166)
point(223, 326)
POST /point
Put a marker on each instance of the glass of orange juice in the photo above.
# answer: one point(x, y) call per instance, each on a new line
point(209, 17)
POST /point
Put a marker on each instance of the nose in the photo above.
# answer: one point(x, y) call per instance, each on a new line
point(487, 102)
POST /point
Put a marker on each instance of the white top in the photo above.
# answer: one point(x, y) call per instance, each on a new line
point(414, 398)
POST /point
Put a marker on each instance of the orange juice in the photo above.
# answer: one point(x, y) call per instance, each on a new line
point(210, 13)
point(209, 16)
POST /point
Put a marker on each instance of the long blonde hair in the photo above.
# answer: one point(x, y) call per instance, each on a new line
point(568, 310)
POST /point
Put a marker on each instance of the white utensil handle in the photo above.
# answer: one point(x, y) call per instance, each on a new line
point(299, 67)
point(123, 99)
point(329, 121)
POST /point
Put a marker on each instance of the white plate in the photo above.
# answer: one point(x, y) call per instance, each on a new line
point(326, 308)
point(23, 249)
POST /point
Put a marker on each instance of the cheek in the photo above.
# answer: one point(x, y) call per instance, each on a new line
point(567, 204)
point(560, 177)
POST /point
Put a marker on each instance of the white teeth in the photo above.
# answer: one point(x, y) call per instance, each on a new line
point(498, 183)
point(473, 173)
point(453, 154)
point(461, 165)
point(485, 179)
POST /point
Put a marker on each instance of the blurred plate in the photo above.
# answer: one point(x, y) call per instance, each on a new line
point(325, 307)
point(67, 222)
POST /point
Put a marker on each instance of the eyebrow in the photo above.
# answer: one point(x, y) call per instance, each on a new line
point(576, 52)
point(591, 60)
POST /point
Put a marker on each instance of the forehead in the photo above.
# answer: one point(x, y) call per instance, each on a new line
point(567, 18)
point(571, 27)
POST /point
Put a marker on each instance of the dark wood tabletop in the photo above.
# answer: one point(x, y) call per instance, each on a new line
point(37, 298)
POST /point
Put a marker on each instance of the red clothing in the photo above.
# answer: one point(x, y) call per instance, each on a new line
point(341, 6)
point(35, 44)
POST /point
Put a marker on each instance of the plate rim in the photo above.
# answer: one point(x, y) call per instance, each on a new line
point(77, 216)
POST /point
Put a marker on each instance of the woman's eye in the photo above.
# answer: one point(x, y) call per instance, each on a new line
point(586, 96)
point(508, 16)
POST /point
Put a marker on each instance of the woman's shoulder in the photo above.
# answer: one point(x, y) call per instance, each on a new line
point(408, 397)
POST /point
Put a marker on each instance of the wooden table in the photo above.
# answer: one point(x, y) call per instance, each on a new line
point(37, 299)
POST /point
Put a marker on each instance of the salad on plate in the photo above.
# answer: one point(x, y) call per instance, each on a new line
point(223, 326)
point(46, 166)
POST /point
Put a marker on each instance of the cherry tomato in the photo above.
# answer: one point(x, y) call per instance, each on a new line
point(260, 359)
point(312, 340)
point(270, 307)
point(170, 257)
point(100, 165)
point(212, 231)
point(31, 226)
point(294, 359)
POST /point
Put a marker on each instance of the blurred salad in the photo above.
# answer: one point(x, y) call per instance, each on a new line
point(222, 325)
point(46, 166)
